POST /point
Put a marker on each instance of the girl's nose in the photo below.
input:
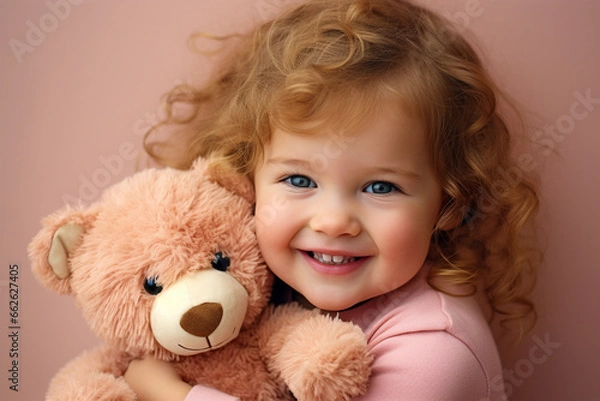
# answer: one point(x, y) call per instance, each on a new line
point(335, 223)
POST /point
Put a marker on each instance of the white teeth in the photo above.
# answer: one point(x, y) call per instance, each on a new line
point(332, 259)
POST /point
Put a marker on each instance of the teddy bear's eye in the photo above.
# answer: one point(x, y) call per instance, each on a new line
point(220, 262)
point(151, 286)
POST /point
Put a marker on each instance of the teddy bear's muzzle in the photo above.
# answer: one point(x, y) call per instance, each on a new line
point(201, 311)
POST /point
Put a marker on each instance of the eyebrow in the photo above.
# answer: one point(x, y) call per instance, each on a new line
point(292, 162)
point(399, 171)
point(307, 165)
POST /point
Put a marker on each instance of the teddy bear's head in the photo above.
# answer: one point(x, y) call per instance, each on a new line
point(166, 263)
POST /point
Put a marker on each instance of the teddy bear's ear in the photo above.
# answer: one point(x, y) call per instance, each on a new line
point(232, 181)
point(64, 241)
point(51, 249)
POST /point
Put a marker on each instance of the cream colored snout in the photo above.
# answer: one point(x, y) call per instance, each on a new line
point(201, 311)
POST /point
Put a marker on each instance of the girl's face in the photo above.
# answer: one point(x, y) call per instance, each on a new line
point(345, 218)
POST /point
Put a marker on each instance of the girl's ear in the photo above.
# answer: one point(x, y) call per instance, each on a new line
point(51, 250)
point(228, 179)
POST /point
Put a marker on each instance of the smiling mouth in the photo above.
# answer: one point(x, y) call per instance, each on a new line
point(194, 349)
point(210, 346)
point(332, 259)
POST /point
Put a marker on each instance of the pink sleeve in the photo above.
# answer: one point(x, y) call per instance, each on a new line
point(425, 366)
point(203, 393)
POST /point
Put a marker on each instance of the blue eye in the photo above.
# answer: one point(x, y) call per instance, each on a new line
point(380, 187)
point(300, 181)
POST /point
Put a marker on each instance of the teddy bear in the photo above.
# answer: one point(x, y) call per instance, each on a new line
point(166, 264)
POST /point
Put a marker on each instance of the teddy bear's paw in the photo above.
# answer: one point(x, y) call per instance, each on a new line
point(326, 359)
point(96, 387)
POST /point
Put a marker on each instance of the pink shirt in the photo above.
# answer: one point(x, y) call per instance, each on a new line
point(428, 346)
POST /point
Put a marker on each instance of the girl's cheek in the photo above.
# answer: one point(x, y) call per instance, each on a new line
point(264, 212)
point(276, 210)
point(407, 234)
point(268, 220)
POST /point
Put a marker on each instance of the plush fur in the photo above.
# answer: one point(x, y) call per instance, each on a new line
point(149, 235)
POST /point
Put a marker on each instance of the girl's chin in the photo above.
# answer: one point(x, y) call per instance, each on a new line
point(330, 303)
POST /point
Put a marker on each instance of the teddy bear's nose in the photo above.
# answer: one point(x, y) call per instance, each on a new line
point(202, 320)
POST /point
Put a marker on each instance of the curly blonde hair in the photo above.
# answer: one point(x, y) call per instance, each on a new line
point(328, 62)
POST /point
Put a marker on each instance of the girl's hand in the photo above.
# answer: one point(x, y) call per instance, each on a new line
point(154, 380)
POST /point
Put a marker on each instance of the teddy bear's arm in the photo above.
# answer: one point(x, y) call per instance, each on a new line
point(94, 375)
point(318, 357)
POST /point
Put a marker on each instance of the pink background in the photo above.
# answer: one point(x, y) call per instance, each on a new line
point(75, 103)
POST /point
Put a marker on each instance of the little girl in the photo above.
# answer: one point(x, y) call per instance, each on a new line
point(371, 133)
